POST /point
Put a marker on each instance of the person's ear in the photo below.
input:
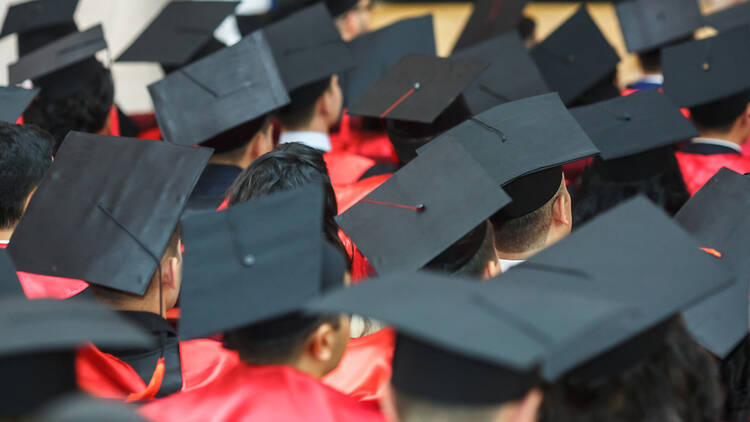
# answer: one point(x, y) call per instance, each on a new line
point(746, 116)
point(261, 143)
point(322, 343)
point(527, 409)
point(561, 210)
point(492, 270)
point(170, 272)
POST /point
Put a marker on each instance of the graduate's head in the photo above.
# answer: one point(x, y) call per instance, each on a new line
point(676, 382)
point(313, 344)
point(407, 137)
point(25, 155)
point(167, 277)
point(525, 227)
point(734, 371)
point(316, 106)
point(651, 59)
point(289, 166)
point(242, 145)
point(352, 17)
point(730, 115)
point(472, 256)
point(77, 98)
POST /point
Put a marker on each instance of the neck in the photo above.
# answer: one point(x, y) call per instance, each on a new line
point(5, 234)
point(316, 124)
point(733, 136)
point(241, 158)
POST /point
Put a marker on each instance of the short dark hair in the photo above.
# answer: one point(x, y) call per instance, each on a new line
point(651, 59)
point(676, 383)
point(720, 114)
point(238, 136)
point(85, 110)
point(290, 165)
point(735, 378)
point(25, 155)
point(480, 243)
point(302, 102)
point(523, 233)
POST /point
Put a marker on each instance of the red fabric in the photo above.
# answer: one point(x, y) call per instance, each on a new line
point(114, 122)
point(361, 268)
point(345, 168)
point(348, 195)
point(350, 138)
point(153, 134)
point(103, 375)
point(697, 169)
point(365, 370)
point(261, 393)
point(37, 286)
point(144, 121)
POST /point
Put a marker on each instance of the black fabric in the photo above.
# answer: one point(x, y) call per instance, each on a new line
point(730, 17)
point(34, 380)
point(460, 253)
point(13, 102)
point(211, 189)
point(378, 169)
point(9, 284)
point(37, 15)
point(707, 149)
point(489, 19)
point(648, 25)
point(338, 7)
point(531, 192)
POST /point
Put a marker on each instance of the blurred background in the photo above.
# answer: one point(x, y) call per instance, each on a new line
point(123, 20)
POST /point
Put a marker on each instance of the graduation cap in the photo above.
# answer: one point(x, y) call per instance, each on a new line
point(635, 123)
point(37, 354)
point(648, 25)
point(716, 216)
point(635, 254)
point(9, 284)
point(38, 16)
point(423, 209)
point(338, 7)
point(13, 102)
point(307, 47)
point(730, 17)
point(700, 72)
point(512, 74)
point(489, 19)
point(376, 52)
point(176, 35)
point(522, 145)
point(418, 88)
point(58, 55)
point(575, 57)
point(237, 262)
point(80, 408)
point(219, 92)
point(117, 202)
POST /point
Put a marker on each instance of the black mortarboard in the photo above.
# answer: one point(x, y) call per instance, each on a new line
point(13, 102)
point(37, 354)
point(717, 216)
point(376, 52)
point(307, 47)
point(731, 17)
point(648, 25)
point(337, 7)
point(117, 202)
point(512, 74)
point(575, 57)
point(9, 284)
point(219, 92)
point(486, 348)
point(490, 18)
point(418, 88)
point(703, 71)
point(423, 209)
point(80, 408)
point(55, 56)
point(521, 146)
point(38, 15)
point(236, 261)
point(178, 32)
point(634, 254)
point(632, 124)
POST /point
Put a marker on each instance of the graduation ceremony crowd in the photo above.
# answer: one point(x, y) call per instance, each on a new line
point(322, 222)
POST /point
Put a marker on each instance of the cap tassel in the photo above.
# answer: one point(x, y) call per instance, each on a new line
point(495, 11)
point(712, 252)
point(414, 89)
point(154, 385)
point(418, 208)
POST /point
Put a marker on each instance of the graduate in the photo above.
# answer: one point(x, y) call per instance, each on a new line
point(259, 310)
point(649, 26)
point(118, 202)
point(216, 103)
point(709, 77)
point(352, 17)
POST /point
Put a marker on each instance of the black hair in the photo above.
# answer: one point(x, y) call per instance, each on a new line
point(407, 137)
point(302, 102)
point(605, 89)
point(735, 379)
point(720, 114)
point(651, 59)
point(678, 382)
point(84, 110)
point(526, 28)
point(25, 155)
point(469, 255)
point(655, 174)
point(238, 136)
point(289, 166)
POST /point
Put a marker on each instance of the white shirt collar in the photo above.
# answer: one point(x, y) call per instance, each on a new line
point(4, 242)
point(653, 79)
point(720, 142)
point(506, 264)
point(317, 140)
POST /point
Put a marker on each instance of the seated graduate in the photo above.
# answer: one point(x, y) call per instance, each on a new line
point(708, 77)
point(118, 202)
point(649, 26)
point(38, 354)
point(259, 309)
point(211, 103)
point(636, 135)
point(716, 216)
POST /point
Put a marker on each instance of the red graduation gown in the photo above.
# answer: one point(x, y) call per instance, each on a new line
point(37, 286)
point(697, 169)
point(345, 168)
point(103, 375)
point(372, 144)
point(261, 393)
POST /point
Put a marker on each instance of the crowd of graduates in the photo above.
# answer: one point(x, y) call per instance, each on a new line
point(323, 223)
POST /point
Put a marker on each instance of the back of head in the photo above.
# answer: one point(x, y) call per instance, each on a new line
point(301, 108)
point(468, 256)
point(407, 137)
point(676, 383)
point(85, 109)
point(25, 155)
point(655, 174)
point(651, 59)
point(720, 115)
